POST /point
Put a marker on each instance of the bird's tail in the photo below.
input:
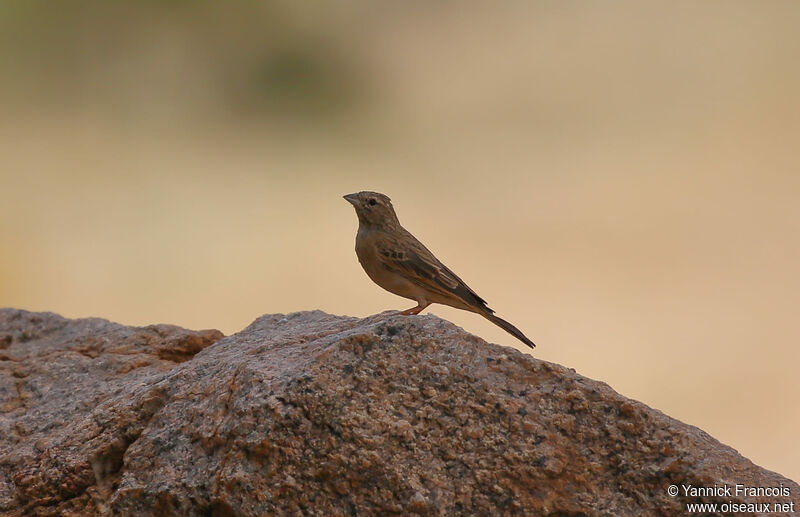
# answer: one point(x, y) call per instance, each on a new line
point(508, 327)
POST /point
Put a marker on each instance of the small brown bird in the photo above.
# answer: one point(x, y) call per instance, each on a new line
point(395, 260)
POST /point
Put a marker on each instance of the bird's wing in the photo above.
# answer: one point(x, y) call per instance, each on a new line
point(406, 255)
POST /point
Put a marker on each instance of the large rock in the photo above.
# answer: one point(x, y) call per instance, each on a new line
point(313, 414)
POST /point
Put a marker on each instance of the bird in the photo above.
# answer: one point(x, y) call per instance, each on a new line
point(395, 260)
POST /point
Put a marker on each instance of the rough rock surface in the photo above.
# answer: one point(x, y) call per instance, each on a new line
point(314, 414)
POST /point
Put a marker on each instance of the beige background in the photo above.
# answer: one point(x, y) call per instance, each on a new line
point(620, 181)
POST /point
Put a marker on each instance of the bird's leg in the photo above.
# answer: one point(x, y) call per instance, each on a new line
point(414, 310)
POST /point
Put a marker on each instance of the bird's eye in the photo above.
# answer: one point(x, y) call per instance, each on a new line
point(372, 202)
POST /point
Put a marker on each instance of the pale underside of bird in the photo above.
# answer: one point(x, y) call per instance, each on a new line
point(396, 261)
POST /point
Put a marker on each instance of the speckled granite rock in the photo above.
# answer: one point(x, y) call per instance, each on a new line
point(313, 414)
point(74, 394)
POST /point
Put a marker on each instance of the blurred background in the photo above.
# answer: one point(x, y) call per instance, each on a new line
point(620, 181)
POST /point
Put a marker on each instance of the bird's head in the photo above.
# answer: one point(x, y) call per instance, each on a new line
point(373, 208)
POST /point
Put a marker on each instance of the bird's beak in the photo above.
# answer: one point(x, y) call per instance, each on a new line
point(352, 198)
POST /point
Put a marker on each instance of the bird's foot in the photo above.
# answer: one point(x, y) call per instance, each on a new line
point(412, 310)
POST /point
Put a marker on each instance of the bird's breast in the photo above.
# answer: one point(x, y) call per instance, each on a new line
point(372, 262)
